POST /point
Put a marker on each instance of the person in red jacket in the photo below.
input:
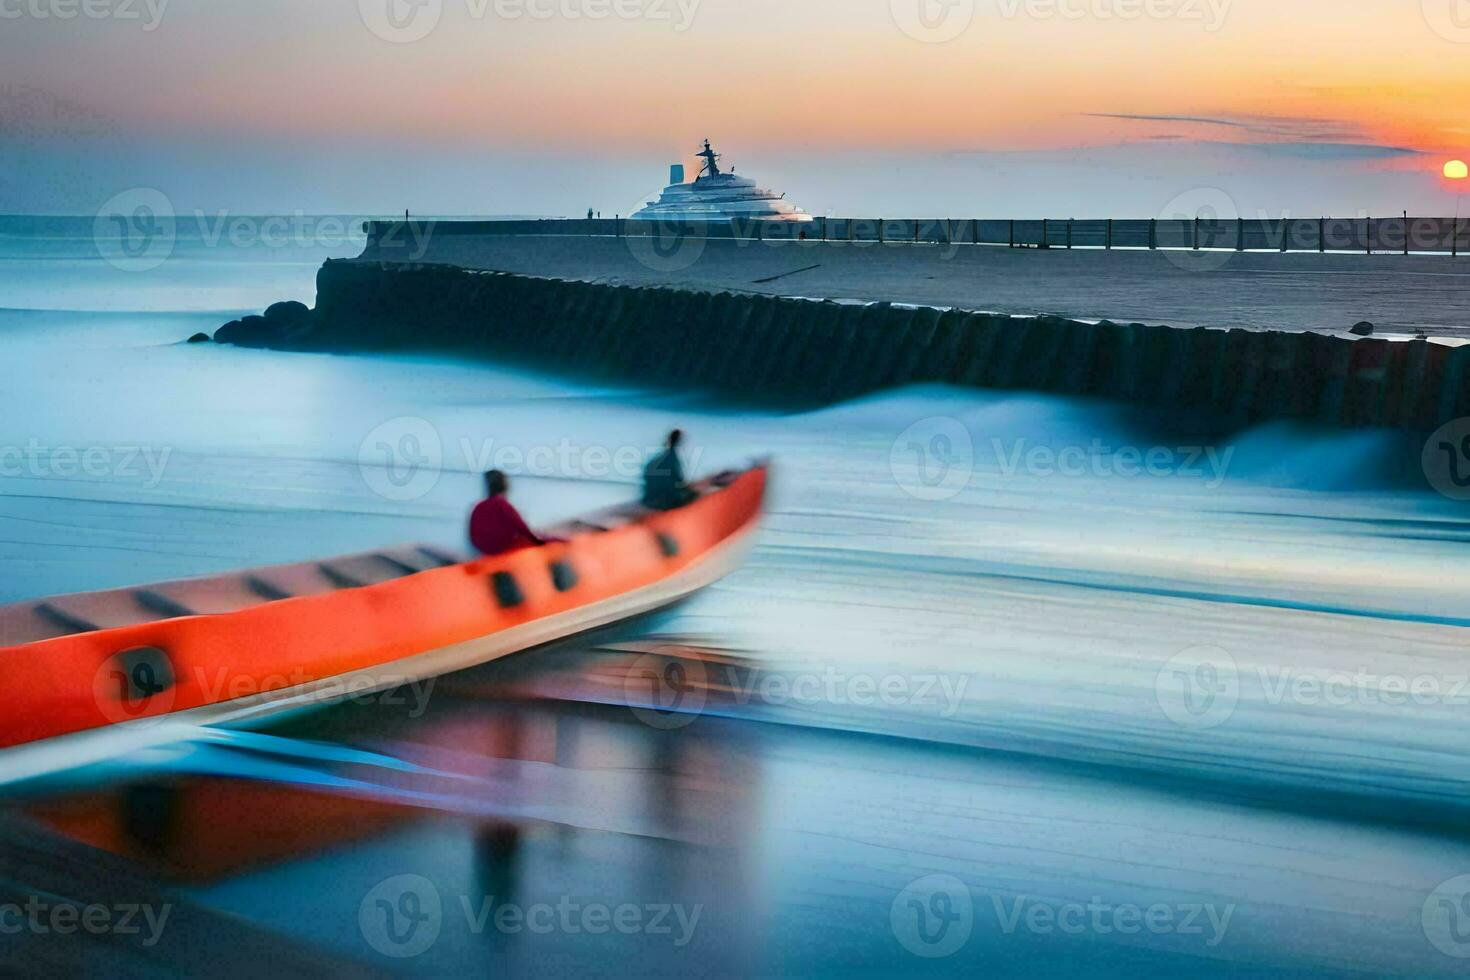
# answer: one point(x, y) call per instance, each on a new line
point(496, 526)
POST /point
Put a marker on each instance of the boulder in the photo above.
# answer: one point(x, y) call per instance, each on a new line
point(283, 325)
point(250, 331)
point(200, 338)
point(289, 312)
point(1362, 328)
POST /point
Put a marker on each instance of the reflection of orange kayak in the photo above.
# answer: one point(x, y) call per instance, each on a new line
point(234, 647)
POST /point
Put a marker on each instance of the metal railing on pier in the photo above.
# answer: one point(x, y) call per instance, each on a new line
point(1369, 235)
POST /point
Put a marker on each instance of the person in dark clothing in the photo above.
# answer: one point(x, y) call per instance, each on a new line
point(663, 478)
point(496, 526)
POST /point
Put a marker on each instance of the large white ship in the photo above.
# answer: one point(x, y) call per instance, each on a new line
point(717, 195)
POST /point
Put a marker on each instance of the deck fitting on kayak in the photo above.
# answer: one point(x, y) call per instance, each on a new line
point(563, 576)
point(438, 557)
point(64, 620)
point(161, 605)
point(507, 591)
point(401, 567)
point(338, 578)
point(264, 589)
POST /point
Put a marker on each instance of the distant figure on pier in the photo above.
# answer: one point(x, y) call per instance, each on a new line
point(496, 527)
point(663, 478)
point(589, 214)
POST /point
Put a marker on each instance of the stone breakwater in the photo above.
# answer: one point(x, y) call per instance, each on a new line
point(808, 351)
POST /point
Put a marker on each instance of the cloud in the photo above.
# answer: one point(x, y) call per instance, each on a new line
point(1339, 137)
point(1140, 117)
point(1330, 151)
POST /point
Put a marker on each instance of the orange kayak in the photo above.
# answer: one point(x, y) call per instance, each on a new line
point(230, 648)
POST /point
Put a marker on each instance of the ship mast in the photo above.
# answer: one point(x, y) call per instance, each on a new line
point(711, 168)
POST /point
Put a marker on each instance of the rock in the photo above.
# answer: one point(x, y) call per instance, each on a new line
point(250, 331)
point(282, 324)
point(1362, 328)
point(200, 338)
point(289, 312)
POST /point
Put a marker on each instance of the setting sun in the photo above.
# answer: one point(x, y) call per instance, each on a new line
point(1456, 170)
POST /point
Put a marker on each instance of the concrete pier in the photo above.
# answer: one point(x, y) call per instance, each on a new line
point(780, 349)
point(1325, 293)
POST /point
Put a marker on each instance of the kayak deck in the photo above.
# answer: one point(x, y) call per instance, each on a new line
point(86, 612)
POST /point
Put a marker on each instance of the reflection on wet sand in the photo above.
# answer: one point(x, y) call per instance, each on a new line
point(551, 804)
point(496, 750)
point(203, 828)
point(601, 802)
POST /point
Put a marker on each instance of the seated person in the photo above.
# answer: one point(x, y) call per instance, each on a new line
point(496, 526)
point(663, 478)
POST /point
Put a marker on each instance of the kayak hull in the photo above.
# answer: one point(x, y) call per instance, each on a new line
point(96, 694)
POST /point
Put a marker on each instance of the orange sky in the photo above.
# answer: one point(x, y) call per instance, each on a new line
point(773, 71)
point(777, 79)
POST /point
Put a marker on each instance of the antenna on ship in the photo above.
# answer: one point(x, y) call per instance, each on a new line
point(711, 167)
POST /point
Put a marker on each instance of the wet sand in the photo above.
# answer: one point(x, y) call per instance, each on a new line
point(781, 849)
